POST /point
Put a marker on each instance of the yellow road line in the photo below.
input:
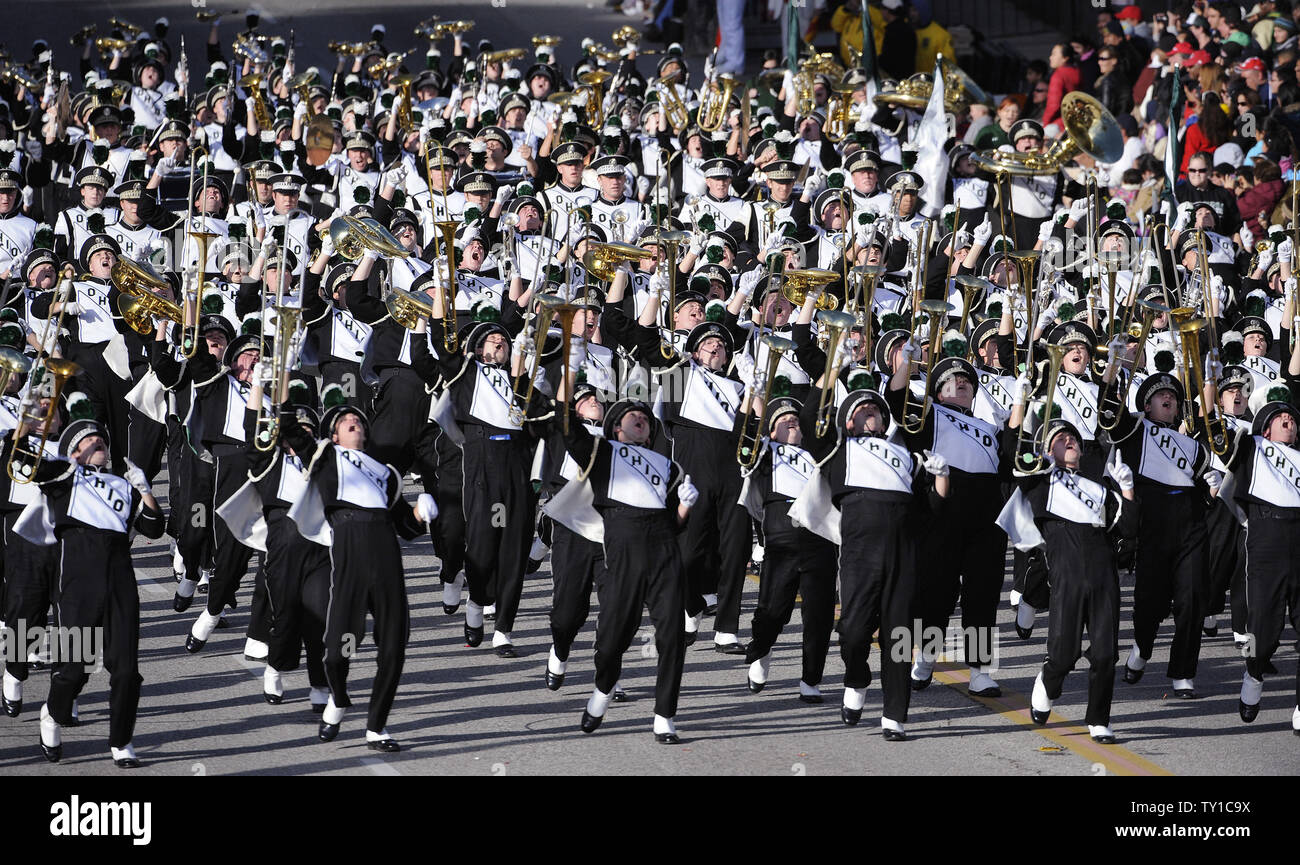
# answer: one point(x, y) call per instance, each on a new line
point(1073, 737)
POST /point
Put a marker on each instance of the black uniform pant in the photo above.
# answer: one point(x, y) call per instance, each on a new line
point(347, 375)
point(107, 392)
point(795, 562)
point(1225, 543)
point(31, 575)
point(499, 506)
point(297, 586)
point(97, 590)
point(366, 577)
point(1085, 596)
point(877, 582)
point(190, 519)
point(1030, 578)
point(576, 565)
point(401, 409)
point(963, 555)
point(441, 464)
point(1170, 574)
point(230, 557)
point(716, 542)
point(645, 570)
point(1272, 583)
point(146, 441)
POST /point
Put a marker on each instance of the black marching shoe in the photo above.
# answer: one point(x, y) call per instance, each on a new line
point(690, 638)
point(506, 650)
point(667, 739)
point(180, 604)
point(554, 680)
point(1039, 718)
point(1104, 739)
point(921, 684)
point(53, 753)
point(894, 735)
point(277, 699)
point(1024, 633)
point(1248, 712)
point(327, 732)
point(851, 717)
point(755, 687)
point(589, 723)
point(12, 707)
point(193, 644)
point(127, 762)
point(618, 696)
point(729, 648)
point(1132, 676)
point(811, 699)
point(388, 746)
point(222, 623)
point(473, 636)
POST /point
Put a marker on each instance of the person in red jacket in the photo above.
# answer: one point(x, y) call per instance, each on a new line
point(1065, 79)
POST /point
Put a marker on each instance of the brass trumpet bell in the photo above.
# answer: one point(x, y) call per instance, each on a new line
point(798, 283)
point(602, 259)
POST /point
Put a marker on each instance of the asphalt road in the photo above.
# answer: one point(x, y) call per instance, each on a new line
point(464, 711)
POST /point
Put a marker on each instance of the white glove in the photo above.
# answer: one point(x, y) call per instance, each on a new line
point(1214, 478)
point(687, 494)
point(269, 249)
point(300, 110)
point(642, 186)
point(1213, 367)
point(911, 351)
point(844, 352)
point(935, 464)
point(696, 247)
point(262, 372)
point(745, 371)
point(397, 177)
point(1284, 251)
point(327, 245)
point(72, 308)
point(426, 509)
point(1247, 236)
point(135, 477)
point(1122, 474)
point(813, 185)
point(1078, 210)
point(658, 282)
point(1184, 216)
point(166, 164)
point(1116, 348)
point(1022, 389)
point(504, 194)
point(1265, 260)
point(1045, 230)
point(1289, 286)
point(577, 354)
point(1047, 316)
point(749, 281)
point(983, 233)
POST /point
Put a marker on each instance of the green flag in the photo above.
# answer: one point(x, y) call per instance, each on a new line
point(868, 59)
point(791, 37)
point(1173, 146)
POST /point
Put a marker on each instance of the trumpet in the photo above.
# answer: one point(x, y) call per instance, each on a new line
point(350, 49)
point(128, 29)
point(249, 50)
point(913, 416)
point(107, 45)
point(546, 41)
point(748, 450)
point(1031, 461)
point(451, 28)
point(836, 326)
point(713, 107)
point(503, 55)
point(671, 100)
point(1216, 429)
point(82, 35)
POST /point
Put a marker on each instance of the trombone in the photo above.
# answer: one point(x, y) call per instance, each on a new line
point(1025, 259)
point(549, 306)
point(913, 415)
point(748, 451)
point(192, 289)
point(1109, 397)
point(1030, 461)
point(23, 460)
point(1216, 430)
point(670, 240)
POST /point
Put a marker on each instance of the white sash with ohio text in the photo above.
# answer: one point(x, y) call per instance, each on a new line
point(348, 336)
point(363, 480)
point(791, 469)
point(293, 480)
point(638, 477)
point(968, 443)
point(710, 400)
point(100, 500)
point(877, 464)
point(493, 397)
point(1076, 499)
point(1168, 457)
point(1078, 401)
point(1275, 474)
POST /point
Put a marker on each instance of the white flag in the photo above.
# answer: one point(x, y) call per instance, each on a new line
point(931, 158)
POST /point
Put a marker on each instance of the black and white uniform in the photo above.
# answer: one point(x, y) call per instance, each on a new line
point(93, 514)
point(1076, 513)
point(1171, 555)
point(635, 493)
point(362, 501)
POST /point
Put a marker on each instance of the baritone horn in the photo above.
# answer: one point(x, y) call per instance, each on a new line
point(602, 260)
point(798, 283)
point(713, 108)
point(748, 450)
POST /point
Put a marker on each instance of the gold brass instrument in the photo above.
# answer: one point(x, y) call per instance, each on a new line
point(1216, 429)
point(713, 106)
point(247, 49)
point(451, 28)
point(353, 236)
point(128, 29)
point(971, 286)
point(349, 49)
point(748, 450)
point(301, 83)
point(549, 306)
point(625, 34)
point(959, 91)
point(252, 82)
point(407, 307)
point(83, 35)
point(193, 290)
point(543, 41)
point(13, 363)
point(594, 81)
point(1209, 302)
point(670, 241)
point(1089, 129)
point(106, 45)
point(839, 117)
point(673, 107)
point(1031, 460)
point(1025, 259)
point(23, 460)
point(602, 260)
point(267, 431)
point(1109, 396)
point(139, 302)
point(15, 75)
point(446, 245)
point(913, 415)
point(836, 325)
point(503, 55)
point(798, 283)
point(860, 304)
point(389, 64)
point(405, 120)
